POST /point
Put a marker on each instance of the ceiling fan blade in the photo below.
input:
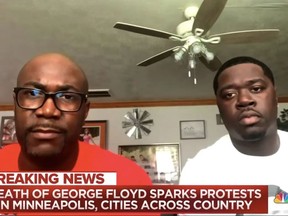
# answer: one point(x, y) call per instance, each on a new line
point(207, 14)
point(158, 57)
point(147, 122)
point(248, 36)
point(213, 65)
point(144, 30)
point(146, 130)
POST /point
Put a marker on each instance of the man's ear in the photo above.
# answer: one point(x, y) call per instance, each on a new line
point(15, 103)
point(87, 108)
point(276, 97)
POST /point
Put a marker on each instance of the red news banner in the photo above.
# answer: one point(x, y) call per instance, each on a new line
point(97, 192)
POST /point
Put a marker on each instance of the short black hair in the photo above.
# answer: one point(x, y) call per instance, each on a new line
point(240, 60)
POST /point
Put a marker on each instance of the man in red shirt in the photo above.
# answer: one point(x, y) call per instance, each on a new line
point(51, 105)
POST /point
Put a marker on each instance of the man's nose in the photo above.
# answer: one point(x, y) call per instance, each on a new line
point(245, 99)
point(48, 109)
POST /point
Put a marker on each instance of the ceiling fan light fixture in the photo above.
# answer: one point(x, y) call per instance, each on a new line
point(192, 63)
point(180, 53)
point(186, 48)
point(197, 47)
point(209, 56)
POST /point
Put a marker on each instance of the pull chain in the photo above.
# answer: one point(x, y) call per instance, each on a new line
point(194, 76)
point(192, 66)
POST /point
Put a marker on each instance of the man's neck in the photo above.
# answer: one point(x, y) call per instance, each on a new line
point(61, 162)
point(269, 145)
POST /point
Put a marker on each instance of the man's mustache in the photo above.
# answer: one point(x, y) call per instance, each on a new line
point(47, 126)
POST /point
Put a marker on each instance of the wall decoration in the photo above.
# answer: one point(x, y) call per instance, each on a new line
point(137, 123)
point(94, 133)
point(160, 161)
point(219, 120)
point(8, 131)
point(282, 120)
point(192, 129)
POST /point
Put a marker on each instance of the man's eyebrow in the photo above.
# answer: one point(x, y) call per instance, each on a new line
point(34, 84)
point(43, 87)
point(67, 87)
point(260, 80)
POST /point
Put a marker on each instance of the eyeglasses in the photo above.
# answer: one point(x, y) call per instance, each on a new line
point(32, 99)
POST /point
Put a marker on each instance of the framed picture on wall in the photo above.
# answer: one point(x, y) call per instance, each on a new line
point(219, 120)
point(160, 161)
point(94, 133)
point(192, 129)
point(8, 131)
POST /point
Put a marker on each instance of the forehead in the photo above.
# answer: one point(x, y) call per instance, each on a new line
point(52, 74)
point(241, 74)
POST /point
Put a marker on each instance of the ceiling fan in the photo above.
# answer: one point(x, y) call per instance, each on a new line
point(194, 34)
point(137, 123)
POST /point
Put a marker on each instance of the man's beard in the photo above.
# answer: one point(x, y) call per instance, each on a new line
point(253, 135)
point(44, 150)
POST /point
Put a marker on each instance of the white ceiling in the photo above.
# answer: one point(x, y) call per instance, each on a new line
point(83, 29)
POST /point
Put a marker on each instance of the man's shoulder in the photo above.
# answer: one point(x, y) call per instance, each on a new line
point(99, 153)
point(282, 133)
point(223, 142)
point(10, 148)
point(9, 157)
point(128, 172)
point(201, 160)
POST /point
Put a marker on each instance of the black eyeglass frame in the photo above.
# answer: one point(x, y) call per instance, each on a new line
point(83, 96)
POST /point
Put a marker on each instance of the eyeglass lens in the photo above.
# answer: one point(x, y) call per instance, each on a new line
point(35, 98)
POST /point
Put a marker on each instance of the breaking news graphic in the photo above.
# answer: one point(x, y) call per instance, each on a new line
point(98, 192)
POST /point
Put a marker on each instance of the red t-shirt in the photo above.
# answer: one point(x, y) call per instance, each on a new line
point(90, 158)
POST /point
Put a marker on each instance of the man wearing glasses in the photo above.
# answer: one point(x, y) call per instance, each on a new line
point(51, 105)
